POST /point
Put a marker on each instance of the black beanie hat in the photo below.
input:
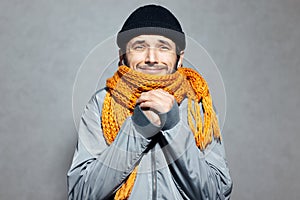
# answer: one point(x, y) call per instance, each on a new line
point(151, 20)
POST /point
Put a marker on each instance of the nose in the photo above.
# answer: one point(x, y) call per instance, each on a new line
point(151, 57)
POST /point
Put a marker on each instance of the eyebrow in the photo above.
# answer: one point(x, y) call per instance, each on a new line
point(165, 42)
point(143, 41)
point(138, 42)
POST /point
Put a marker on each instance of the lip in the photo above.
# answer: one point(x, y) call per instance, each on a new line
point(152, 70)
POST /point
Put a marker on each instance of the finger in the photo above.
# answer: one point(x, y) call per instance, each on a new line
point(146, 104)
point(164, 94)
point(156, 106)
point(157, 101)
point(148, 96)
point(143, 97)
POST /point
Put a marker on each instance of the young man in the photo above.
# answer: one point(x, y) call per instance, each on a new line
point(152, 132)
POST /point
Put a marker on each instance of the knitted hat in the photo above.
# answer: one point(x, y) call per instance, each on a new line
point(151, 20)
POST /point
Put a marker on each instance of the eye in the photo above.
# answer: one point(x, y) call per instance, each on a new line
point(138, 48)
point(164, 48)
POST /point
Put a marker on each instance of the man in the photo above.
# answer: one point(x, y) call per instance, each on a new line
point(152, 132)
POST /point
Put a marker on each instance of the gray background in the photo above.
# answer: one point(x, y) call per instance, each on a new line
point(255, 44)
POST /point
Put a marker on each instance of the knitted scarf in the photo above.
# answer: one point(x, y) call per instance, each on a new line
point(126, 86)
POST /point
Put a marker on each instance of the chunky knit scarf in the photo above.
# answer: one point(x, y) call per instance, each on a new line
point(126, 86)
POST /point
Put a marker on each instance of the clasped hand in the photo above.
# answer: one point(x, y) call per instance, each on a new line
point(154, 102)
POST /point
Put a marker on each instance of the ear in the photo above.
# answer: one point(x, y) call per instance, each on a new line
point(180, 60)
point(121, 57)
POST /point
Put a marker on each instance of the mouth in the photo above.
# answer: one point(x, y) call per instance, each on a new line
point(152, 69)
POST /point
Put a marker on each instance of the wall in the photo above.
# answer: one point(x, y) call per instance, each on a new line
point(255, 45)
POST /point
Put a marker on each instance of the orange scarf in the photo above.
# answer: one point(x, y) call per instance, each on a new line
point(126, 86)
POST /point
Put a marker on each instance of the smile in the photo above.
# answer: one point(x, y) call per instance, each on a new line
point(152, 70)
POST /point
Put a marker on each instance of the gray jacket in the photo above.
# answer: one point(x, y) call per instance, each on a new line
point(170, 165)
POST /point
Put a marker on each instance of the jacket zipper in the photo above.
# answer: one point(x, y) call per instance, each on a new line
point(154, 175)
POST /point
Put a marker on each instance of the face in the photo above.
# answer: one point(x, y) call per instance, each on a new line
point(152, 54)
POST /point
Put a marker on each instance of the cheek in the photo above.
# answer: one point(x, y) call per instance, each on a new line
point(134, 59)
point(170, 61)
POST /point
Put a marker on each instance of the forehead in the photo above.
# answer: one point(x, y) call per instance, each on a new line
point(151, 39)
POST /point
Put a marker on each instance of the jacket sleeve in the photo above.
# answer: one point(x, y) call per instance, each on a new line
point(99, 169)
point(197, 174)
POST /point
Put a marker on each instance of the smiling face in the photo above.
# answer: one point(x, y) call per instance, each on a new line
point(152, 54)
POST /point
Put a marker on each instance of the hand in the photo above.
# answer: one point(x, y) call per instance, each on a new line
point(154, 102)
